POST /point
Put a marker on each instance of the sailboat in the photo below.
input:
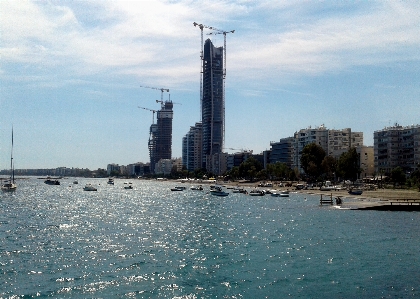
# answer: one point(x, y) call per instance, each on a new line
point(10, 185)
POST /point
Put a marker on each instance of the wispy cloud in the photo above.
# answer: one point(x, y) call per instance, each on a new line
point(156, 38)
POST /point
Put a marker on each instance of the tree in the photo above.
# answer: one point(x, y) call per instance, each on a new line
point(249, 168)
point(398, 176)
point(311, 160)
point(348, 165)
point(329, 167)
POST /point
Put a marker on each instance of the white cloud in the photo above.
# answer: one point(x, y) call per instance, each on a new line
point(150, 37)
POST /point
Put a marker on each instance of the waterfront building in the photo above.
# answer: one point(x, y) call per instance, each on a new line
point(113, 168)
point(213, 108)
point(366, 161)
point(217, 163)
point(334, 142)
point(318, 135)
point(340, 141)
point(397, 146)
point(192, 148)
point(160, 142)
point(282, 151)
point(165, 166)
point(234, 160)
point(138, 169)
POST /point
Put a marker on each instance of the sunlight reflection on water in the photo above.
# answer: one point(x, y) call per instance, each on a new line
point(61, 241)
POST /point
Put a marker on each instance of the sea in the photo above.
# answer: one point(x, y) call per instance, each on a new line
point(151, 242)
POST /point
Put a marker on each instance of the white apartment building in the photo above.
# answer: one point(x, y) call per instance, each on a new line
point(397, 146)
point(334, 142)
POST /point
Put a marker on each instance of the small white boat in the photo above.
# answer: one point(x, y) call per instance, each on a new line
point(178, 188)
point(199, 188)
point(75, 182)
point(89, 187)
point(128, 185)
point(284, 193)
point(110, 181)
point(256, 192)
point(218, 191)
point(239, 190)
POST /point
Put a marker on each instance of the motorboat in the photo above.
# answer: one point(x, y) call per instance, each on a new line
point(238, 190)
point(75, 182)
point(10, 185)
point(49, 181)
point(178, 188)
point(218, 191)
point(128, 185)
point(199, 188)
point(89, 187)
point(355, 191)
point(256, 192)
point(110, 181)
point(327, 186)
point(284, 193)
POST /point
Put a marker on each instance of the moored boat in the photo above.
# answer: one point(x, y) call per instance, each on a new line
point(128, 185)
point(218, 191)
point(110, 181)
point(355, 191)
point(256, 192)
point(239, 190)
point(178, 188)
point(199, 188)
point(49, 181)
point(10, 185)
point(89, 187)
point(284, 193)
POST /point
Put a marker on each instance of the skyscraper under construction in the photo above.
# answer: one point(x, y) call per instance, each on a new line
point(212, 110)
point(160, 142)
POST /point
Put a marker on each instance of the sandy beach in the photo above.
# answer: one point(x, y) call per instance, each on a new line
point(374, 198)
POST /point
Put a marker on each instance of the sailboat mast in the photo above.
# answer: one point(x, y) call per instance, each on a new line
point(12, 169)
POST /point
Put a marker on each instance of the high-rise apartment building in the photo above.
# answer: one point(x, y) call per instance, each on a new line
point(282, 151)
point(397, 146)
point(334, 142)
point(213, 110)
point(191, 148)
point(160, 142)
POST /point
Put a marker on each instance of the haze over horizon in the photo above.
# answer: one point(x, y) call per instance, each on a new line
point(70, 73)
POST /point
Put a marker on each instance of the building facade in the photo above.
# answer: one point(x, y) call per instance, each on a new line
point(333, 142)
point(213, 110)
point(160, 142)
point(192, 148)
point(397, 146)
point(283, 151)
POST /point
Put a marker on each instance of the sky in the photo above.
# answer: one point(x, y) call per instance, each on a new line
point(73, 73)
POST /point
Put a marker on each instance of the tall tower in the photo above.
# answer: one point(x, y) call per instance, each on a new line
point(212, 113)
point(160, 144)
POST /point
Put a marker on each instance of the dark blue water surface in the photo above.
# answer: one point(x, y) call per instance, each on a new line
point(63, 242)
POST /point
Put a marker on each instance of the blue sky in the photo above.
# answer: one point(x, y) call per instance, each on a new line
point(71, 71)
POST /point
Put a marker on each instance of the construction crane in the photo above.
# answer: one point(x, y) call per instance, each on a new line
point(162, 103)
point(161, 89)
point(201, 26)
point(218, 31)
point(154, 111)
point(236, 149)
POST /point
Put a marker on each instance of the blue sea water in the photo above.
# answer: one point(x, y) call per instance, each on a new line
point(63, 242)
